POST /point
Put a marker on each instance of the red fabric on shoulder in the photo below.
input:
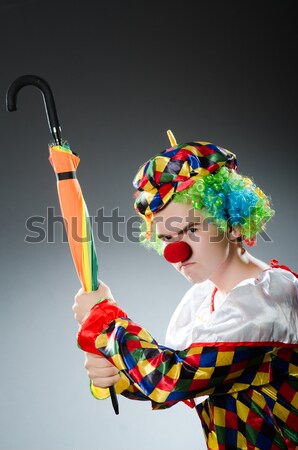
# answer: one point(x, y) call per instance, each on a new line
point(97, 320)
point(274, 263)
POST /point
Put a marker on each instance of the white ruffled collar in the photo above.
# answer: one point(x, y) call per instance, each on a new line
point(261, 309)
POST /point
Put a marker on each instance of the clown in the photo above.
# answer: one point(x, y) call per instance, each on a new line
point(232, 343)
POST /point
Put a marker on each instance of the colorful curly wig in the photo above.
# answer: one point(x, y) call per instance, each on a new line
point(203, 175)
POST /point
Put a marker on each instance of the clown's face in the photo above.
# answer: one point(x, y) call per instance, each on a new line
point(210, 249)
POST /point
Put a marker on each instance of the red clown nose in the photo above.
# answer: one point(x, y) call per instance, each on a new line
point(177, 252)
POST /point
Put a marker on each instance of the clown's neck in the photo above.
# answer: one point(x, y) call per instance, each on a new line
point(237, 267)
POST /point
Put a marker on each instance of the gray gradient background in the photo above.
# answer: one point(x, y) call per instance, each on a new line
point(123, 72)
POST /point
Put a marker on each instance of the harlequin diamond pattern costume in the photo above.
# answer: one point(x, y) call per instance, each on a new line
point(236, 363)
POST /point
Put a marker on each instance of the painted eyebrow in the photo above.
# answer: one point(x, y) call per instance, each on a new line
point(182, 231)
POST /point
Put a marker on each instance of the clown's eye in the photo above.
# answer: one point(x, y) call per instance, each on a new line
point(192, 230)
point(166, 238)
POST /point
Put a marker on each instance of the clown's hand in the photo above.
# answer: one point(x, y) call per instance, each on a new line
point(101, 372)
point(84, 301)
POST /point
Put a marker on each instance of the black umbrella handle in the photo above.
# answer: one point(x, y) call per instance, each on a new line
point(44, 87)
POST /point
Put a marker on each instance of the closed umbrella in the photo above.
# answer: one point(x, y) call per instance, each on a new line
point(72, 203)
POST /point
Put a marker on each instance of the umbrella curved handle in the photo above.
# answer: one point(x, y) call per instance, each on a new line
point(44, 87)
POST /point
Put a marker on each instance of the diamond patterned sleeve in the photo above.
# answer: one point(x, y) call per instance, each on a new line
point(166, 376)
point(123, 386)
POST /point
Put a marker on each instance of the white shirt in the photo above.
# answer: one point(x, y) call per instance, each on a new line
point(263, 309)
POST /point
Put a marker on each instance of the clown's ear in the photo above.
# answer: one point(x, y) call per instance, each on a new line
point(235, 232)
